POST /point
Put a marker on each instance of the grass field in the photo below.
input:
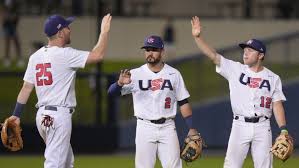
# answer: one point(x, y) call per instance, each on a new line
point(127, 161)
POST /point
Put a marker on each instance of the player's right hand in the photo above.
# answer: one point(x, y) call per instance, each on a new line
point(196, 28)
point(124, 77)
point(105, 26)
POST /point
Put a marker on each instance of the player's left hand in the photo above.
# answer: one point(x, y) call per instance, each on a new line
point(192, 132)
point(15, 119)
point(192, 147)
point(284, 133)
point(11, 134)
point(196, 28)
point(283, 146)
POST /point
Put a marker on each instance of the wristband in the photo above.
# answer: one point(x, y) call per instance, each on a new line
point(189, 121)
point(18, 109)
point(284, 127)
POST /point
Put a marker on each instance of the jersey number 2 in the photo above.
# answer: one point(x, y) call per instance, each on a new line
point(167, 102)
point(43, 76)
point(265, 102)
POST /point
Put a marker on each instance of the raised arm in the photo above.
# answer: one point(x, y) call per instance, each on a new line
point(201, 44)
point(99, 50)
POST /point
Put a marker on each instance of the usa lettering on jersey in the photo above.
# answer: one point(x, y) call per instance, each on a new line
point(155, 84)
point(255, 82)
point(155, 95)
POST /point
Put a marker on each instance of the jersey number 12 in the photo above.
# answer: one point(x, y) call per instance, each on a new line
point(43, 76)
point(266, 102)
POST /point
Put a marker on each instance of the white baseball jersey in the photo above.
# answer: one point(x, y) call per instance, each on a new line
point(53, 70)
point(251, 93)
point(155, 95)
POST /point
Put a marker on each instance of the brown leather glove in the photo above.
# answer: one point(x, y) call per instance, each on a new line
point(283, 147)
point(192, 147)
point(11, 135)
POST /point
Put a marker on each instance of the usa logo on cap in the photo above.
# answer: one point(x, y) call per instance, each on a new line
point(153, 41)
point(254, 44)
point(59, 26)
point(150, 40)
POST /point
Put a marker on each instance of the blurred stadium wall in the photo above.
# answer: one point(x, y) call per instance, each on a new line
point(127, 34)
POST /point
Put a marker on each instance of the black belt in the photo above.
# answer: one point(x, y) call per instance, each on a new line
point(54, 108)
point(159, 121)
point(251, 119)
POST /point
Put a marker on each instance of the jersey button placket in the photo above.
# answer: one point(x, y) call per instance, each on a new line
point(252, 103)
point(255, 102)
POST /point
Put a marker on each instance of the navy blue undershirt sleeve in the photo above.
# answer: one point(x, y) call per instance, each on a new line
point(189, 122)
point(114, 90)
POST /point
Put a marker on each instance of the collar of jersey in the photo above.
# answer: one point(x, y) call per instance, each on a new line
point(147, 68)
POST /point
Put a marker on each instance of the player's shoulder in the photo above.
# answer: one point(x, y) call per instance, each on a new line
point(37, 53)
point(271, 73)
point(171, 69)
point(65, 50)
point(68, 49)
point(137, 69)
point(230, 61)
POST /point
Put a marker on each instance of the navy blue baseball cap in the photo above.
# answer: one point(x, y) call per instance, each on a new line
point(254, 44)
point(55, 23)
point(154, 42)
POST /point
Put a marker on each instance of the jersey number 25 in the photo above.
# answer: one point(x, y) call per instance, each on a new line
point(43, 75)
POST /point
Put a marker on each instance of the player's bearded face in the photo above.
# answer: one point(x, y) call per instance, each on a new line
point(153, 55)
point(250, 56)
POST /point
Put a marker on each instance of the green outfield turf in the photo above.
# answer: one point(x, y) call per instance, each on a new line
point(126, 161)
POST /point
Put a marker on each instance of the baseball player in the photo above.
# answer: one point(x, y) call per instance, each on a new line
point(51, 71)
point(255, 92)
point(157, 88)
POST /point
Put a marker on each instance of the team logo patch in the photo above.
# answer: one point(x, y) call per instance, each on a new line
point(249, 41)
point(156, 84)
point(254, 82)
point(150, 40)
point(59, 26)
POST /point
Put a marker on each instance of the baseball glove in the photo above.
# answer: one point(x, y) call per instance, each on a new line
point(11, 135)
point(283, 147)
point(192, 147)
